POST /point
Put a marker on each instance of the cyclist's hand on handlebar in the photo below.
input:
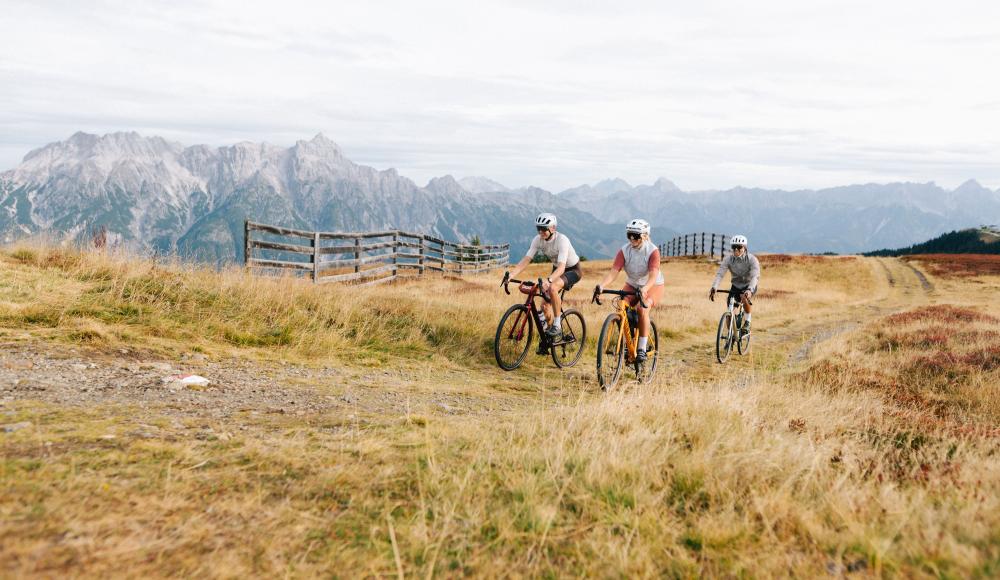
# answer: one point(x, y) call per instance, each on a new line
point(746, 295)
point(711, 294)
point(506, 278)
point(597, 294)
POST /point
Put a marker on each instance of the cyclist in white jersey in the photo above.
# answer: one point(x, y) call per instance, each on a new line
point(640, 258)
point(566, 271)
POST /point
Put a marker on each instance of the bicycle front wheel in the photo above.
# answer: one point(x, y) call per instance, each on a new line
point(567, 351)
point(742, 341)
point(724, 337)
point(647, 370)
point(610, 352)
point(510, 345)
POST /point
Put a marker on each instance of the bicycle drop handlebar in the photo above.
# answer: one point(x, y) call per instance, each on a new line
point(507, 280)
point(621, 293)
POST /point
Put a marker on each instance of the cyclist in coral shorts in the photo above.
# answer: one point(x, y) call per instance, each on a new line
point(640, 258)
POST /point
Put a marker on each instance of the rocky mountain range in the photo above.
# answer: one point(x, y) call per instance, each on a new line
point(846, 219)
point(163, 197)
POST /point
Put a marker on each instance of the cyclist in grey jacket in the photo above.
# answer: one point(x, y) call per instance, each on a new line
point(745, 273)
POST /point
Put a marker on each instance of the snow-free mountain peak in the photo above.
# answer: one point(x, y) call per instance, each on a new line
point(478, 184)
point(445, 185)
point(665, 185)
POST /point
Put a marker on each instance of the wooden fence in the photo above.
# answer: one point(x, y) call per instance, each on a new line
point(700, 244)
point(365, 258)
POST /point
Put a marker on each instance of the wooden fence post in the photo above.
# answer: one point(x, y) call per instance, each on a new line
point(713, 246)
point(357, 254)
point(420, 256)
point(315, 257)
point(722, 248)
point(246, 243)
point(686, 244)
point(702, 243)
point(395, 252)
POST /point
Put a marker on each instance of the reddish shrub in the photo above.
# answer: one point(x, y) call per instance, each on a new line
point(959, 265)
point(939, 313)
point(938, 336)
point(773, 294)
point(986, 358)
point(786, 259)
point(942, 363)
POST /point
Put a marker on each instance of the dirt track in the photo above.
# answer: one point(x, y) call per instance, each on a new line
point(75, 376)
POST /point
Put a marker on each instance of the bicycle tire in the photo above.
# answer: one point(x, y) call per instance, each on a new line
point(648, 371)
point(742, 342)
point(724, 338)
point(574, 331)
point(610, 352)
point(510, 345)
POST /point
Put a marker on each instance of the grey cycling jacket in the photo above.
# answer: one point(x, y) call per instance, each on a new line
point(745, 270)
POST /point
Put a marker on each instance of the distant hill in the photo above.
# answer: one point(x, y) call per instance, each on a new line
point(984, 240)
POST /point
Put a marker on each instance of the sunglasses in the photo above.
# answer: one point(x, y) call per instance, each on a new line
point(542, 229)
point(736, 247)
point(634, 236)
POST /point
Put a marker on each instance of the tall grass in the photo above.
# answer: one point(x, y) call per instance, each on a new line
point(112, 299)
point(872, 459)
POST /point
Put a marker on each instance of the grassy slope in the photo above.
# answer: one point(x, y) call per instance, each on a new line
point(855, 456)
point(970, 241)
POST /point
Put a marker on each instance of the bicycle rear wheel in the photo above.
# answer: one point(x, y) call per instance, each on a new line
point(647, 371)
point(724, 337)
point(510, 345)
point(610, 352)
point(742, 341)
point(567, 351)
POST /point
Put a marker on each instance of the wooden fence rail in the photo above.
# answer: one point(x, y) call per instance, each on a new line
point(700, 244)
point(363, 257)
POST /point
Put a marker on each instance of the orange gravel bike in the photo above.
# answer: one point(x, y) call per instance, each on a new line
point(619, 342)
point(518, 324)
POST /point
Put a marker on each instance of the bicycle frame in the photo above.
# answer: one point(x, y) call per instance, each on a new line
point(735, 307)
point(625, 328)
point(529, 302)
point(625, 332)
point(733, 332)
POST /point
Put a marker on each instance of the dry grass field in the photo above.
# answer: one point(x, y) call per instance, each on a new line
point(368, 432)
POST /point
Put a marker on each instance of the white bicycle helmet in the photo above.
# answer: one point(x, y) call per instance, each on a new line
point(545, 220)
point(738, 241)
point(637, 226)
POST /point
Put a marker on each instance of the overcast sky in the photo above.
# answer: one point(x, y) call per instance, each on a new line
point(709, 94)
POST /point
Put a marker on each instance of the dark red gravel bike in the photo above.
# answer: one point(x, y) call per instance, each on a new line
point(518, 325)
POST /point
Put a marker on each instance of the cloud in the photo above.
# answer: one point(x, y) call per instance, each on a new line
point(710, 94)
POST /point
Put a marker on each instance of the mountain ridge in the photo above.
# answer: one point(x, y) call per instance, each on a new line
point(166, 197)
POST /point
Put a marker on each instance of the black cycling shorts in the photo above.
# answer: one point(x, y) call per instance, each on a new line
point(736, 291)
point(570, 276)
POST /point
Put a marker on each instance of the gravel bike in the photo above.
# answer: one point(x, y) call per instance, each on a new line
point(618, 343)
point(731, 329)
point(518, 324)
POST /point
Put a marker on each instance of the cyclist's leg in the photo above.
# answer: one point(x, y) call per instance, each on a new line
point(556, 305)
point(652, 298)
point(566, 281)
point(746, 301)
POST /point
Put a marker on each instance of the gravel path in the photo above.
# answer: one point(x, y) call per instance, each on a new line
point(79, 377)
